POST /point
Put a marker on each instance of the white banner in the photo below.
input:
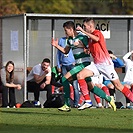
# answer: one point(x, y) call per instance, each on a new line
point(102, 25)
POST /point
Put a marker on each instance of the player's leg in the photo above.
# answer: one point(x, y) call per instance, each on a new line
point(70, 76)
point(125, 90)
point(66, 89)
point(109, 72)
point(84, 87)
point(102, 94)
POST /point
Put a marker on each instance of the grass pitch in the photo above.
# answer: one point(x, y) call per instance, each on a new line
point(50, 120)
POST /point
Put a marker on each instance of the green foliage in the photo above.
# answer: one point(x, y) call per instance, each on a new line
point(109, 7)
point(119, 7)
point(47, 6)
point(8, 7)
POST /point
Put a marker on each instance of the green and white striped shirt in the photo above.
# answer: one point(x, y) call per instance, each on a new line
point(79, 54)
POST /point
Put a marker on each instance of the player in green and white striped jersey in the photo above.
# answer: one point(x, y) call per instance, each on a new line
point(78, 43)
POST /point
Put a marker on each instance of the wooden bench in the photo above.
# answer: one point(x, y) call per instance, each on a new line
point(28, 70)
point(120, 70)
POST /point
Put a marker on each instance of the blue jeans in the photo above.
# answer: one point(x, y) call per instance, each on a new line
point(66, 69)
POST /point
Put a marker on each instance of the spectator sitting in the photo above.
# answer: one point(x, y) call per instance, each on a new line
point(7, 79)
point(39, 79)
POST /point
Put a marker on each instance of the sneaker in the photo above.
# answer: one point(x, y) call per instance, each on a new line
point(122, 107)
point(8, 107)
point(37, 103)
point(64, 108)
point(85, 106)
point(129, 107)
point(112, 103)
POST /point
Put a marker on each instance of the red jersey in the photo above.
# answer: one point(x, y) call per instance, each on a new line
point(98, 49)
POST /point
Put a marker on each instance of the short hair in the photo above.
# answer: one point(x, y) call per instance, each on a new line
point(89, 20)
point(69, 24)
point(46, 60)
point(110, 52)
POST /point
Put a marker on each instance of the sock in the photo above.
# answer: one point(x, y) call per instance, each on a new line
point(132, 88)
point(101, 93)
point(71, 92)
point(106, 90)
point(84, 89)
point(128, 93)
point(97, 98)
point(111, 91)
point(81, 99)
point(127, 102)
point(66, 88)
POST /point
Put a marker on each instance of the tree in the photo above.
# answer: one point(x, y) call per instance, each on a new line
point(8, 7)
point(115, 7)
point(46, 6)
point(109, 7)
point(128, 6)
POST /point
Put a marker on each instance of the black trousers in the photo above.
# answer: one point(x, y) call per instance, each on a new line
point(34, 87)
point(12, 99)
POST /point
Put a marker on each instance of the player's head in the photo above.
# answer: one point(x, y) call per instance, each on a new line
point(110, 52)
point(89, 25)
point(69, 28)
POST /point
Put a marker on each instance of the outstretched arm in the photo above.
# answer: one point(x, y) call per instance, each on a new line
point(127, 55)
point(63, 50)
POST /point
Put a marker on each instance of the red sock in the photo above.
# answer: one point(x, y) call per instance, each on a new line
point(81, 99)
point(106, 90)
point(53, 88)
point(97, 98)
point(132, 88)
point(84, 88)
point(128, 93)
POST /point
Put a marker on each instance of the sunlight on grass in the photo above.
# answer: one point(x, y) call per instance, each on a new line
point(51, 120)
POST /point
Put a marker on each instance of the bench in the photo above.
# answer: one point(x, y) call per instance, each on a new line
point(120, 70)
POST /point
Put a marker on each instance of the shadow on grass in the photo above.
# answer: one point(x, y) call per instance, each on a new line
point(50, 120)
point(6, 128)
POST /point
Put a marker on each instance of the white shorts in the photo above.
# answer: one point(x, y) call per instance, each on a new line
point(93, 68)
point(128, 82)
point(108, 71)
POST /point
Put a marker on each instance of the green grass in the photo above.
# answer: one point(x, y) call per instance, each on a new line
point(50, 120)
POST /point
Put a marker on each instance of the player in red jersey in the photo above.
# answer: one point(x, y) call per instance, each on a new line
point(102, 60)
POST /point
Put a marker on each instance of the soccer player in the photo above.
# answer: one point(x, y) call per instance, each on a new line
point(128, 59)
point(78, 43)
point(65, 62)
point(102, 60)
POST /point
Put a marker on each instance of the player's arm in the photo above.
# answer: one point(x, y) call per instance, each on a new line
point(127, 55)
point(93, 37)
point(63, 50)
point(39, 78)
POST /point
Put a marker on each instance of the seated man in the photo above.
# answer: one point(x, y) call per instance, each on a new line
point(39, 79)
